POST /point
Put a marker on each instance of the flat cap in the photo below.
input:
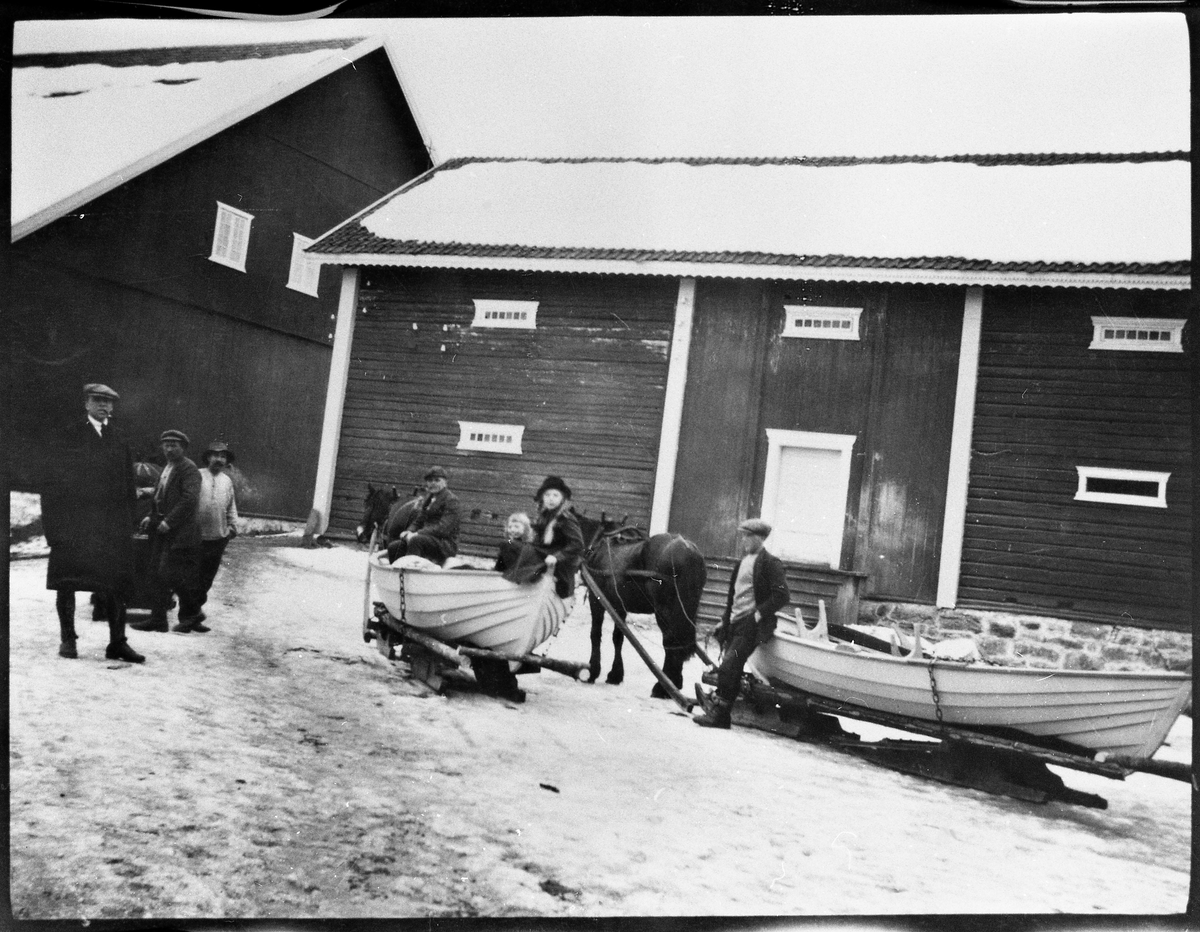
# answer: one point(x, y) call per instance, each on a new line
point(755, 526)
point(435, 472)
point(95, 388)
point(177, 435)
point(218, 446)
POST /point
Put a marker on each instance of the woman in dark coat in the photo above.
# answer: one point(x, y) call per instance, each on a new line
point(556, 534)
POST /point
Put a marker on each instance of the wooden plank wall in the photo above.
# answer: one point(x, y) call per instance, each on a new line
point(1046, 404)
point(174, 366)
point(807, 583)
point(893, 390)
point(587, 384)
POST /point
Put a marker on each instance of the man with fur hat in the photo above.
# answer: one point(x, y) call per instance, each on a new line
point(432, 531)
point(217, 514)
point(87, 513)
point(757, 590)
point(175, 539)
point(556, 534)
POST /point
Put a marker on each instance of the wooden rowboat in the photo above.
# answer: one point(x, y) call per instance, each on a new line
point(469, 606)
point(1103, 713)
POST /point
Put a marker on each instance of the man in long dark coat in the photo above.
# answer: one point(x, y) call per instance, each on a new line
point(174, 530)
point(87, 512)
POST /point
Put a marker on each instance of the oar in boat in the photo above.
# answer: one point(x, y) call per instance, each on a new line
point(672, 690)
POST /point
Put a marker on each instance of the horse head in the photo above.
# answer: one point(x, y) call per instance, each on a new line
point(376, 505)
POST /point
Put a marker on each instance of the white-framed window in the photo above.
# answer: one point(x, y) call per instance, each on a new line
point(821, 323)
point(491, 438)
point(1122, 486)
point(305, 272)
point(1141, 334)
point(516, 315)
point(231, 237)
point(805, 489)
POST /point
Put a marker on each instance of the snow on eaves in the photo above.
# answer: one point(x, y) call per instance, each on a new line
point(88, 127)
point(1061, 211)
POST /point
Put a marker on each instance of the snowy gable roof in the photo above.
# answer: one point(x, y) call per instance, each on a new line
point(1100, 220)
point(84, 123)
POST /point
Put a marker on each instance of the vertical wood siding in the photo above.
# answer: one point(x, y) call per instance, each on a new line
point(893, 389)
point(587, 385)
point(1046, 404)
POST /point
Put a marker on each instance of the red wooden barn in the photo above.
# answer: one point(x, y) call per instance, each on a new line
point(161, 201)
point(951, 382)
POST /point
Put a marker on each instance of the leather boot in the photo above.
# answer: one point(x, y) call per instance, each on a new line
point(717, 717)
point(122, 651)
point(706, 699)
point(64, 602)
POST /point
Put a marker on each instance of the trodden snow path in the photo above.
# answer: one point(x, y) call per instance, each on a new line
point(280, 767)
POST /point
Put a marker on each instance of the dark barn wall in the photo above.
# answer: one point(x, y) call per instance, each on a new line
point(302, 165)
point(893, 389)
point(1046, 404)
point(258, 390)
point(587, 384)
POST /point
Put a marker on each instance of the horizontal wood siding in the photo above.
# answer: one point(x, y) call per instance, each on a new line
point(175, 367)
point(808, 585)
point(1047, 404)
point(587, 385)
point(302, 166)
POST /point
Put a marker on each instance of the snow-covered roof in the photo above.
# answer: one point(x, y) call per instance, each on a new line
point(84, 123)
point(1101, 220)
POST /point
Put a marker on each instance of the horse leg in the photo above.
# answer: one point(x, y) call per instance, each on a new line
point(597, 611)
point(617, 674)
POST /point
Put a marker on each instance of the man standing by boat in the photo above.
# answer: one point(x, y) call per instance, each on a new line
point(757, 590)
point(432, 532)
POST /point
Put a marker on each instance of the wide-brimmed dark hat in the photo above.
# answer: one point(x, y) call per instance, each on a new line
point(755, 526)
point(218, 446)
point(95, 388)
point(177, 435)
point(552, 482)
point(436, 472)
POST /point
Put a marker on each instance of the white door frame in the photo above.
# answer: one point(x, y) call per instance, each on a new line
point(777, 441)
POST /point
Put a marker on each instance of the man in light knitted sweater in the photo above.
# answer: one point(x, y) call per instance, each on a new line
point(217, 515)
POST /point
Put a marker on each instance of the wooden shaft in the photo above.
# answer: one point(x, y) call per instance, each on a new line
point(1173, 770)
point(367, 587)
point(666, 684)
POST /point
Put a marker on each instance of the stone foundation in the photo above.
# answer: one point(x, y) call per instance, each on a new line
point(1037, 641)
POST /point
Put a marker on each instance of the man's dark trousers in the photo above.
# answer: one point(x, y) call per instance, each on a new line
point(211, 552)
point(739, 645)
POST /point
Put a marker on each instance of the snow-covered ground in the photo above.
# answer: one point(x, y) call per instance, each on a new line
point(281, 767)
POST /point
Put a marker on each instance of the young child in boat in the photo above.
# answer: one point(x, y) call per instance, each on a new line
point(518, 533)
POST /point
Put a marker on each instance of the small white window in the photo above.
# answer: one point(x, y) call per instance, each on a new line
point(305, 273)
point(1122, 486)
point(519, 315)
point(1142, 334)
point(821, 323)
point(492, 438)
point(231, 237)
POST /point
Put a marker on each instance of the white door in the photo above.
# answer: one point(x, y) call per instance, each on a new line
point(804, 494)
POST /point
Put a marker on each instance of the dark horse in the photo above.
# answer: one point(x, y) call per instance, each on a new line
point(383, 509)
point(661, 575)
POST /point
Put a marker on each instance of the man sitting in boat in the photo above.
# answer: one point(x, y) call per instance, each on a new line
point(757, 590)
point(432, 532)
point(556, 534)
